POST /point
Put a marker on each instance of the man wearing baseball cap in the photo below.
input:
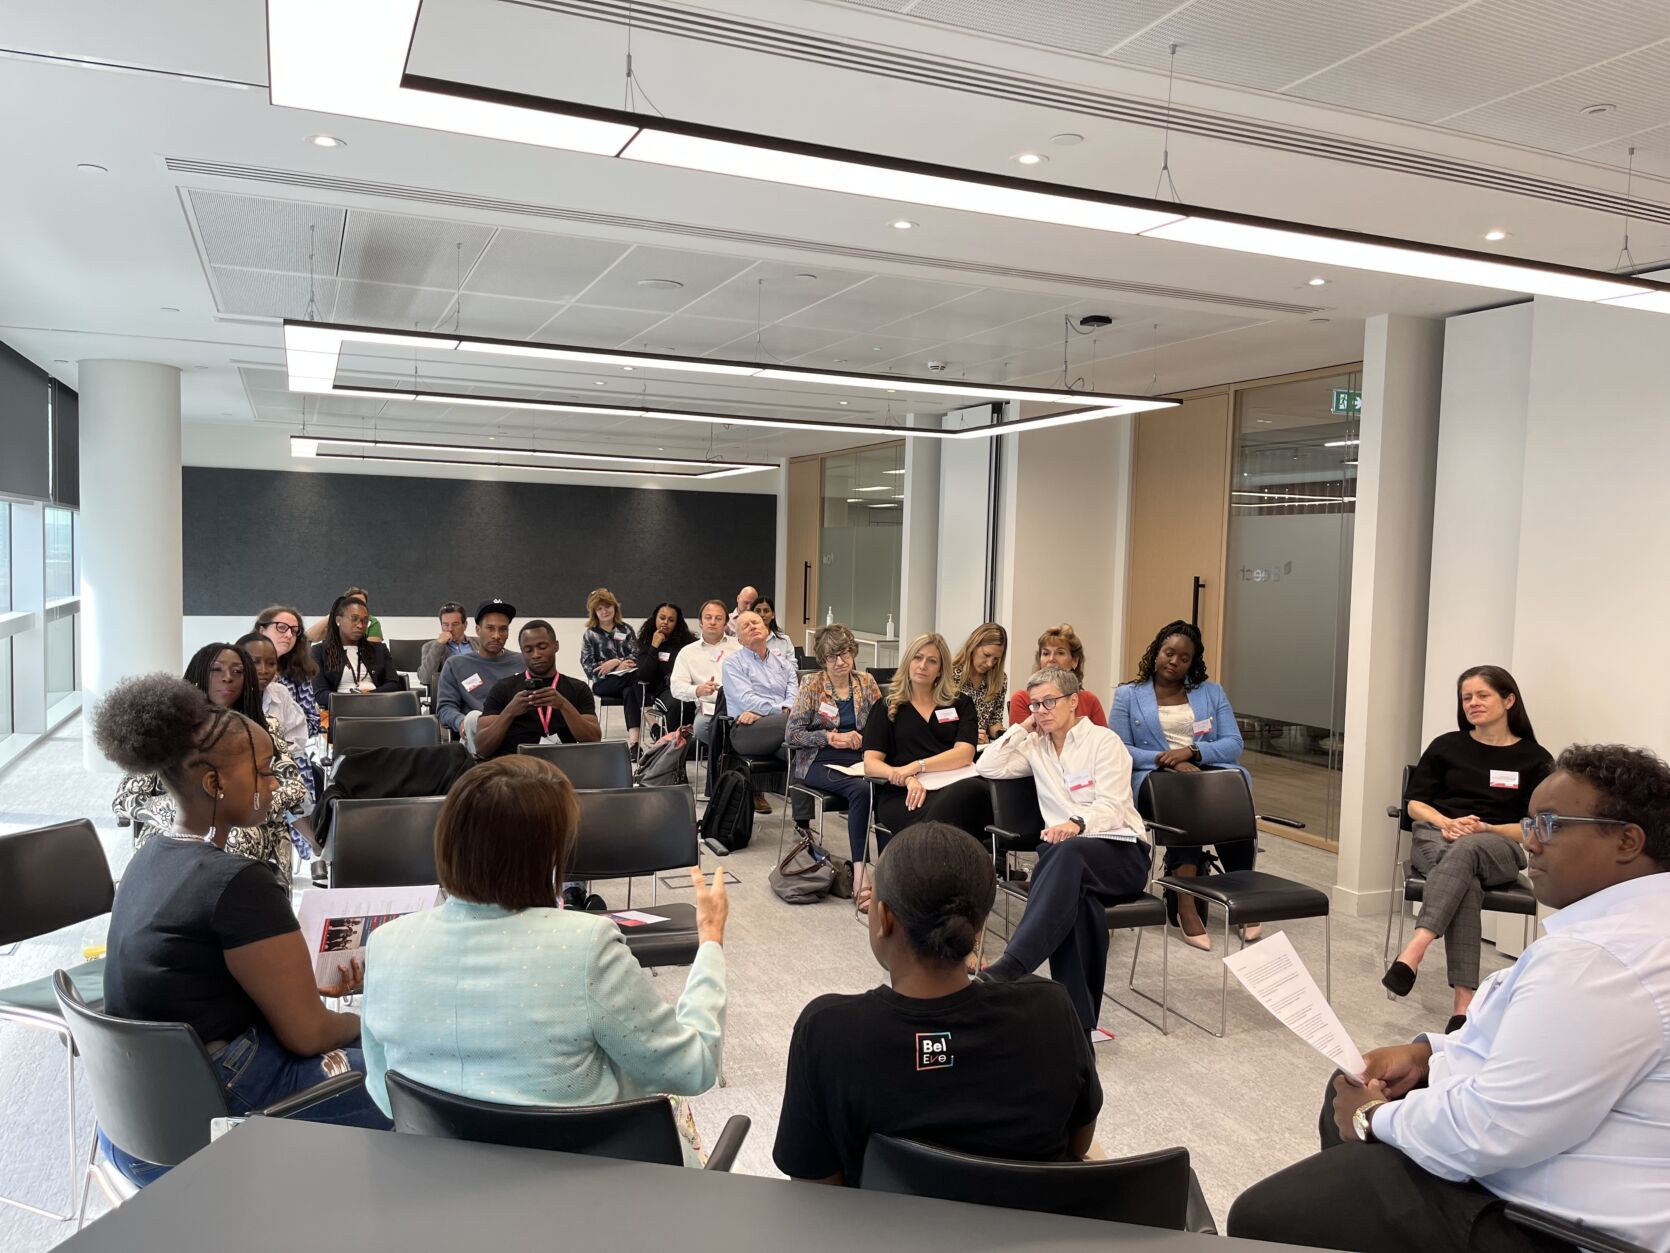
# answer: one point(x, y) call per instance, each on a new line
point(467, 678)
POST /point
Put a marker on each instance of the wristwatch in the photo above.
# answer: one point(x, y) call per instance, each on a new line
point(1077, 822)
point(1194, 751)
point(1361, 1121)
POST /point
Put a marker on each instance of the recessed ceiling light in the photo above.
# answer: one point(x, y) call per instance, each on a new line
point(851, 501)
point(843, 402)
point(1597, 110)
point(629, 368)
point(87, 167)
point(806, 278)
point(327, 141)
point(1067, 139)
point(1496, 234)
point(1319, 282)
point(1029, 158)
point(598, 383)
point(660, 284)
point(169, 309)
point(1320, 321)
point(882, 488)
point(892, 471)
point(902, 224)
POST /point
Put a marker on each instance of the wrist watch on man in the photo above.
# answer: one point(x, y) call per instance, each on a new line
point(1361, 1121)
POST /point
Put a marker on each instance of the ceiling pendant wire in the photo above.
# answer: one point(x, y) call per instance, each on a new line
point(1154, 362)
point(312, 302)
point(457, 286)
point(632, 88)
point(1626, 259)
point(1165, 179)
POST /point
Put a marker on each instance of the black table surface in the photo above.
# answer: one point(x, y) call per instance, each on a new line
point(374, 1190)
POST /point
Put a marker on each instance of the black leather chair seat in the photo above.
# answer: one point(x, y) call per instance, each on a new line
point(670, 943)
point(1145, 911)
point(1250, 896)
point(833, 802)
point(1509, 899)
point(36, 996)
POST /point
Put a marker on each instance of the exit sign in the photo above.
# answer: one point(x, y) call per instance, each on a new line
point(1347, 402)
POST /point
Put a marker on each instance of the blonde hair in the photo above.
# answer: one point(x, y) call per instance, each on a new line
point(1063, 634)
point(602, 596)
point(898, 692)
point(997, 679)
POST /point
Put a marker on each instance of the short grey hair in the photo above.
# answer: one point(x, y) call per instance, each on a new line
point(1066, 682)
point(832, 641)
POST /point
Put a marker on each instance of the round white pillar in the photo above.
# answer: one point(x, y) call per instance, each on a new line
point(131, 562)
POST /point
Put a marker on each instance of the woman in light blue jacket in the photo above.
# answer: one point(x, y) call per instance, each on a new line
point(500, 995)
point(1172, 717)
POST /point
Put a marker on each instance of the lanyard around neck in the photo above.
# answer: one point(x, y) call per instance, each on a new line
point(544, 711)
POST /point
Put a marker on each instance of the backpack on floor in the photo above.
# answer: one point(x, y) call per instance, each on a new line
point(729, 817)
point(662, 763)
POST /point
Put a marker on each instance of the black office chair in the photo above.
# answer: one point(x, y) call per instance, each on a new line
point(1512, 898)
point(50, 878)
point(383, 842)
point(155, 1089)
point(635, 1131)
point(605, 764)
point(1151, 1189)
point(883, 675)
point(775, 763)
point(407, 655)
point(1016, 827)
point(823, 804)
point(1191, 810)
point(1580, 1234)
point(372, 705)
point(351, 735)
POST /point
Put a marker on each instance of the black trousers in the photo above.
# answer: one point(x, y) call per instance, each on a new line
point(966, 804)
point(1065, 920)
point(1370, 1197)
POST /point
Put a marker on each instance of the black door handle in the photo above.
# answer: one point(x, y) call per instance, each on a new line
point(805, 592)
point(1194, 607)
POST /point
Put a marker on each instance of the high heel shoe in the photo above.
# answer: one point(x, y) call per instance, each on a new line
point(1251, 933)
point(1399, 979)
point(1202, 941)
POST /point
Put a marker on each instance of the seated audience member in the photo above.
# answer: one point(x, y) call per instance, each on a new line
point(466, 679)
point(348, 659)
point(609, 656)
point(373, 629)
point(823, 731)
point(1094, 852)
point(276, 701)
point(922, 726)
point(450, 642)
point(296, 667)
point(776, 639)
point(1060, 646)
point(447, 997)
point(760, 689)
point(1555, 1092)
point(1172, 717)
point(1467, 795)
point(1000, 1069)
point(203, 935)
point(662, 637)
point(536, 705)
point(697, 669)
point(977, 672)
point(225, 674)
point(744, 603)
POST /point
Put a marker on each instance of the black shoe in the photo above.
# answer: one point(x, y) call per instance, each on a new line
point(595, 904)
point(803, 832)
point(319, 872)
point(1456, 1023)
point(1399, 979)
point(574, 897)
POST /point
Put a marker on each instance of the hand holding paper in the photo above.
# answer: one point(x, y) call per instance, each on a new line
point(1278, 980)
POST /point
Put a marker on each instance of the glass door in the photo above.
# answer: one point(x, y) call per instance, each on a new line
point(861, 546)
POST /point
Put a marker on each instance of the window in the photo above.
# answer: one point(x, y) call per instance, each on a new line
point(60, 554)
point(62, 627)
point(861, 539)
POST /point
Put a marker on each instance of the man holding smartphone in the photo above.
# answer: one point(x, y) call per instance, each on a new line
point(536, 705)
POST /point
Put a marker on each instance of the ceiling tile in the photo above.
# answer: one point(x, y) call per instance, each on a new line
point(539, 266)
point(269, 294)
point(418, 252)
point(771, 291)
point(696, 272)
point(882, 299)
point(590, 324)
point(685, 334)
point(500, 317)
point(390, 304)
point(1052, 23)
point(261, 233)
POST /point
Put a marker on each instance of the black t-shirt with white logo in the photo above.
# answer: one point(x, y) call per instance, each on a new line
point(1000, 1069)
point(530, 727)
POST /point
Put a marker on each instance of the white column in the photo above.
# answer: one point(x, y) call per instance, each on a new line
point(131, 582)
point(919, 555)
point(1391, 556)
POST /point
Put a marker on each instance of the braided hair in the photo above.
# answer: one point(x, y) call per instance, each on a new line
point(335, 657)
point(157, 724)
point(1197, 669)
point(202, 663)
point(939, 884)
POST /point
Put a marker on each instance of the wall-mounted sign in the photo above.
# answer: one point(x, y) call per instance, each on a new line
point(1347, 402)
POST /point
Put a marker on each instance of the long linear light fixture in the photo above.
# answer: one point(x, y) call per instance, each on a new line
point(325, 447)
point(349, 57)
point(312, 353)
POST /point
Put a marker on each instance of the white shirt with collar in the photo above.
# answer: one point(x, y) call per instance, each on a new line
point(1090, 778)
point(696, 663)
point(1556, 1091)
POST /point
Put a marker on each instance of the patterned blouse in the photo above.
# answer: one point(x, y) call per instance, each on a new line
point(991, 709)
point(144, 801)
point(303, 692)
point(599, 646)
point(809, 727)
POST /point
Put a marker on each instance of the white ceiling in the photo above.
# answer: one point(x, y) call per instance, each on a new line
point(211, 192)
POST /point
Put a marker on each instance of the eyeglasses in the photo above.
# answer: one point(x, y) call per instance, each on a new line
point(1543, 826)
point(283, 628)
point(1047, 704)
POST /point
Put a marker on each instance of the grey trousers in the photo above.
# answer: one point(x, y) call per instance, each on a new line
point(1453, 904)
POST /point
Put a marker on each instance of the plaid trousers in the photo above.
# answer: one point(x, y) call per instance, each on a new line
point(1453, 904)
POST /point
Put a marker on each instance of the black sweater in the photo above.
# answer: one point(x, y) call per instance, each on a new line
point(1458, 776)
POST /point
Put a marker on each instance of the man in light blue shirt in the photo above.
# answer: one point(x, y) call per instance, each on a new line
point(468, 677)
point(760, 687)
point(1555, 1093)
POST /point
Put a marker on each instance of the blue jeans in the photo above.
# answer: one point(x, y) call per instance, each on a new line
point(256, 1070)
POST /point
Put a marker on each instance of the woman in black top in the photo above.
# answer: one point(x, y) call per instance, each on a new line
point(348, 659)
point(206, 937)
point(664, 632)
point(925, 726)
point(1001, 1069)
point(1467, 795)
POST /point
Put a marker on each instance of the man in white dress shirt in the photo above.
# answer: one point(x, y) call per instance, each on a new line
point(1093, 854)
point(1555, 1092)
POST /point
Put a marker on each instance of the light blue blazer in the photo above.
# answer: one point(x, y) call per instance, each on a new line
point(1135, 718)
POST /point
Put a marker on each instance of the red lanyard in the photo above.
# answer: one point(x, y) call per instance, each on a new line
point(544, 711)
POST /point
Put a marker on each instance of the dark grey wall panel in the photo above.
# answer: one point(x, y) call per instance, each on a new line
point(253, 537)
point(66, 446)
point(25, 428)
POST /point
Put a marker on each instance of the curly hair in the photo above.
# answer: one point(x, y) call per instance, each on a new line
point(1197, 668)
point(939, 884)
point(601, 596)
point(158, 724)
point(202, 663)
point(1634, 785)
point(833, 640)
point(1063, 634)
point(679, 637)
point(297, 664)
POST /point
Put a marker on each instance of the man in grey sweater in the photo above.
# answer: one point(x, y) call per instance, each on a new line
point(467, 678)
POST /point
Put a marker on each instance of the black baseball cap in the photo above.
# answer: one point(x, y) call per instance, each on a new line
point(496, 606)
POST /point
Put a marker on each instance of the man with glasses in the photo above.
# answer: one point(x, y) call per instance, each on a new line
point(1554, 1094)
point(1094, 853)
point(451, 642)
point(468, 678)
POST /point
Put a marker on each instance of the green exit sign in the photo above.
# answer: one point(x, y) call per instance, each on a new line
point(1347, 402)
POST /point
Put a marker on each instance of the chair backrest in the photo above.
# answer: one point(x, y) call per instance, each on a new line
point(52, 877)
point(407, 655)
point(605, 764)
point(1015, 807)
point(154, 1087)
point(1405, 823)
point(413, 731)
point(638, 1131)
point(634, 831)
point(883, 675)
point(384, 842)
point(1151, 1189)
point(1208, 806)
point(372, 705)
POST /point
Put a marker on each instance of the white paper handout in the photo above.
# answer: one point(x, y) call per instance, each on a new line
point(636, 918)
point(337, 922)
point(1278, 980)
point(932, 780)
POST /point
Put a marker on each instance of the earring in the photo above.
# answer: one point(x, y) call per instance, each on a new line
point(220, 796)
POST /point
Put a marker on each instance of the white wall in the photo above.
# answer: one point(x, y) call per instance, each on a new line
point(965, 500)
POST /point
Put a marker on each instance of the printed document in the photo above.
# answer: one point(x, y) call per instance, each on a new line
point(1273, 973)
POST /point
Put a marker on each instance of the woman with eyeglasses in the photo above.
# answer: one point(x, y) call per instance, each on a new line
point(825, 730)
point(1467, 797)
point(284, 627)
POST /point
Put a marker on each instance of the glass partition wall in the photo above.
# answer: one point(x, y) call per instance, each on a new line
point(861, 544)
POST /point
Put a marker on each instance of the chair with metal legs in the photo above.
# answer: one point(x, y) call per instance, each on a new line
point(50, 878)
point(823, 804)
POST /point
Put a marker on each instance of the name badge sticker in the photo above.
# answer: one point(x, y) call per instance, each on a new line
point(828, 710)
point(470, 684)
point(664, 656)
point(1504, 778)
point(1082, 786)
point(945, 715)
point(1203, 727)
point(620, 635)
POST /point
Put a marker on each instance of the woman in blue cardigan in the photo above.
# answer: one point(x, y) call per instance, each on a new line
point(1172, 717)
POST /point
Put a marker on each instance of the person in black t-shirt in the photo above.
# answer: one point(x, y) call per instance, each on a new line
point(206, 937)
point(1000, 1069)
point(528, 707)
point(1467, 796)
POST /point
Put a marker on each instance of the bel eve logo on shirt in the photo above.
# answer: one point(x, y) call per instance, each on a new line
point(933, 1050)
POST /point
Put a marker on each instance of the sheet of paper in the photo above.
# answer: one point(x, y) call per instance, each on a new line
point(337, 922)
point(933, 780)
point(1278, 980)
point(635, 918)
point(855, 771)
